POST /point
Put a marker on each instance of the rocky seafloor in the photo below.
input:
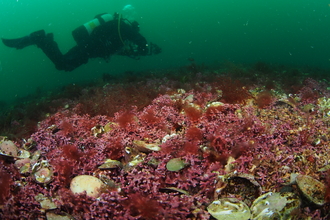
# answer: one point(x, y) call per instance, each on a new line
point(205, 147)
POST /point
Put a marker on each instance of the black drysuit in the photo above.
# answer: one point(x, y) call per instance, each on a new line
point(109, 38)
point(115, 36)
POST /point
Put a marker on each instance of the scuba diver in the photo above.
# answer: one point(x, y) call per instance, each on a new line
point(101, 37)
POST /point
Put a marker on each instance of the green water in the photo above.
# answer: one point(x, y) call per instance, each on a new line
point(290, 32)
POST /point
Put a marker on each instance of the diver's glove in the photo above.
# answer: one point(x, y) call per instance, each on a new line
point(154, 49)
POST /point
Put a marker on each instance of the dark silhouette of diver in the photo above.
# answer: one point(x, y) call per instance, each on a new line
point(102, 37)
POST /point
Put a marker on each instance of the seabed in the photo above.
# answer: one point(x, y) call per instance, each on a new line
point(190, 143)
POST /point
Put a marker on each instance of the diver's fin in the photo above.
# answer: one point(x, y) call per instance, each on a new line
point(20, 43)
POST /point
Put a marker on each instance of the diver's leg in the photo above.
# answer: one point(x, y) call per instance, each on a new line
point(74, 58)
point(41, 40)
point(68, 62)
point(50, 48)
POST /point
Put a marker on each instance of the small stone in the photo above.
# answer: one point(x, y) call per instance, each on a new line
point(89, 184)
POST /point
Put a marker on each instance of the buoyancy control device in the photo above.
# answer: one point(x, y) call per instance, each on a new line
point(81, 33)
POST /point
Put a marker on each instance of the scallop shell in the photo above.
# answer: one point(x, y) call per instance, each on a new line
point(44, 175)
point(58, 216)
point(23, 165)
point(89, 184)
point(23, 154)
point(238, 185)
point(312, 189)
point(145, 147)
point(111, 164)
point(229, 209)
point(45, 202)
point(8, 148)
point(97, 130)
point(274, 205)
point(42, 172)
point(175, 164)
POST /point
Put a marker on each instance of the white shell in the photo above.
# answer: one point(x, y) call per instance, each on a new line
point(89, 184)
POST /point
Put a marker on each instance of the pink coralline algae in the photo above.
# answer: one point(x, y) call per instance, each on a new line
point(218, 135)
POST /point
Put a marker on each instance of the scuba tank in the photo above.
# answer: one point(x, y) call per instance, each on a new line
point(81, 33)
